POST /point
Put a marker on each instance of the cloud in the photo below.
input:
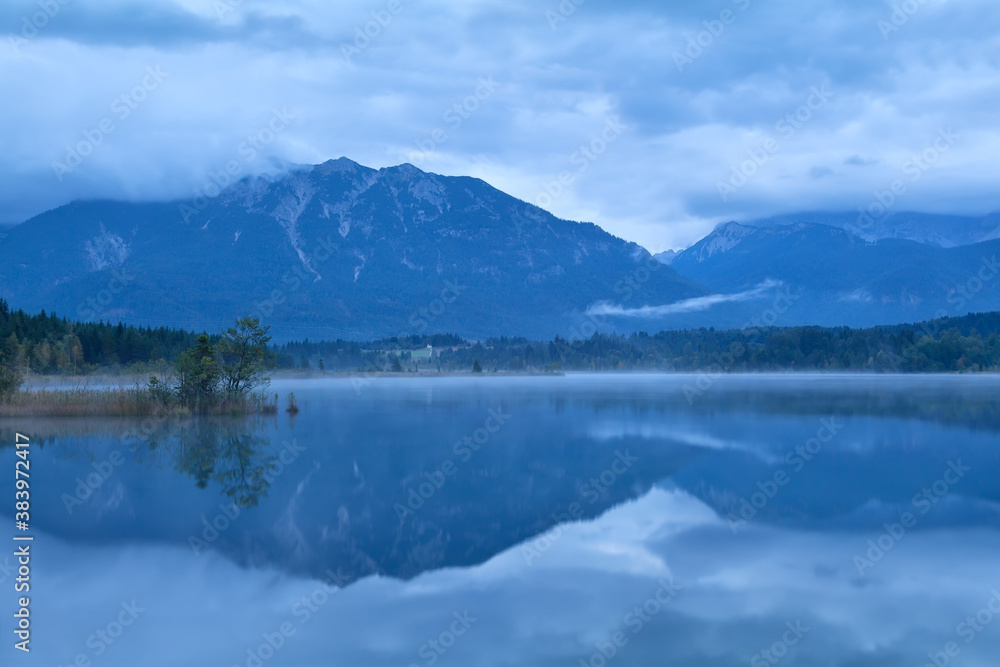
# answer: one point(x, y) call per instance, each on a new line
point(861, 295)
point(692, 305)
point(858, 161)
point(656, 184)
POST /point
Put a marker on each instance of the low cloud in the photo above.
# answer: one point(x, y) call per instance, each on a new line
point(693, 305)
point(861, 295)
point(232, 62)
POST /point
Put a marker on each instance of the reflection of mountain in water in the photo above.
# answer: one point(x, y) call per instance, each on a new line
point(853, 489)
point(369, 516)
point(328, 494)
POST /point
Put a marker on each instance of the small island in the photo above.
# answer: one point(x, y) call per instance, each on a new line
point(226, 376)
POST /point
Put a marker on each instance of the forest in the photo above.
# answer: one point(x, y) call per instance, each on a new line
point(47, 344)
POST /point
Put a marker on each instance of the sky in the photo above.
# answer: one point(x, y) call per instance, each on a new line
point(655, 120)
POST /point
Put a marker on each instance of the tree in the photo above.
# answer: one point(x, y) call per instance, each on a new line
point(396, 366)
point(238, 461)
point(43, 356)
point(476, 367)
point(198, 374)
point(11, 379)
point(13, 350)
point(246, 360)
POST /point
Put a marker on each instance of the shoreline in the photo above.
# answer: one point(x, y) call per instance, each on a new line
point(102, 382)
point(124, 397)
point(99, 381)
point(122, 401)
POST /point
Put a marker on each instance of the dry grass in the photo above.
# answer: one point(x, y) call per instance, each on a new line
point(121, 402)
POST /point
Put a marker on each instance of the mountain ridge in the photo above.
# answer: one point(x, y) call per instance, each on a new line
point(336, 248)
point(845, 279)
point(341, 250)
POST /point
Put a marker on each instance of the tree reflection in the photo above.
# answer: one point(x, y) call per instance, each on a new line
point(232, 455)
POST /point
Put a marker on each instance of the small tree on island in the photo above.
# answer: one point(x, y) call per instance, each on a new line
point(246, 361)
point(236, 365)
point(198, 374)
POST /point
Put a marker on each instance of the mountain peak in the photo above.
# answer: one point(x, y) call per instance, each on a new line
point(341, 164)
point(945, 231)
point(665, 257)
point(723, 238)
point(406, 170)
point(731, 227)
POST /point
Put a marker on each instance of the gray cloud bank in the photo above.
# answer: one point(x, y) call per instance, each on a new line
point(710, 95)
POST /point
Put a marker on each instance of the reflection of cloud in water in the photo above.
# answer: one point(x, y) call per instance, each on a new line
point(287, 529)
point(617, 430)
point(616, 542)
point(113, 500)
point(738, 591)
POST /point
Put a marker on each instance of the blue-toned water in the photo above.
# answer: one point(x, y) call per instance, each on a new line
point(608, 519)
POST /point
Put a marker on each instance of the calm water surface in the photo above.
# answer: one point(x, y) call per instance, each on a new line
point(612, 519)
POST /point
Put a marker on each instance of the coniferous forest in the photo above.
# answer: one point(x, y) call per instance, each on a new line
point(48, 344)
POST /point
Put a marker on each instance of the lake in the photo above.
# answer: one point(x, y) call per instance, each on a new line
point(566, 520)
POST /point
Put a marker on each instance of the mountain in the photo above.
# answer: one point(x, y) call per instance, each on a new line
point(842, 279)
point(353, 507)
point(665, 257)
point(946, 231)
point(724, 237)
point(334, 250)
point(339, 250)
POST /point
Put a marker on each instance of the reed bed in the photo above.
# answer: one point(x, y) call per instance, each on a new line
point(125, 402)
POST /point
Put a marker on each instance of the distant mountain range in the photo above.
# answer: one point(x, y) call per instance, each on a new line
point(840, 278)
point(946, 231)
point(340, 250)
point(335, 250)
